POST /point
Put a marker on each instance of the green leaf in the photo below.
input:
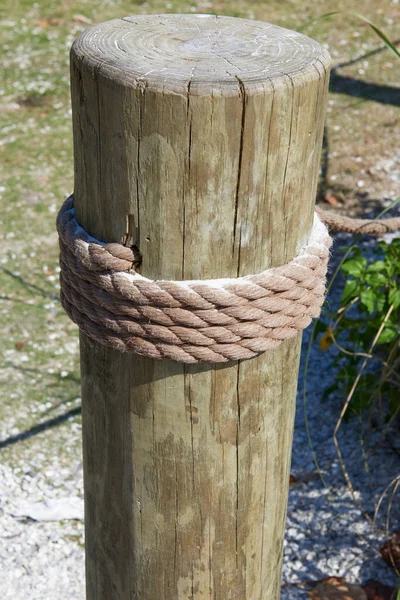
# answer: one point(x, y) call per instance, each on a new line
point(383, 246)
point(376, 266)
point(350, 291)
point(394, 297)
point(367, 299)
point(376, 279)
point(380, 302)
point(378, 32)
point(395, 245)
point(354, 266)
point(389, 334)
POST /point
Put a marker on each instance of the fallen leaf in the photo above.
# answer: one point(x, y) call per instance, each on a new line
point(335, 588)
point(81, 19)
point(303, 477)
point(390, 551)
point(326, 341)
point(332, 200)
point(44, 23)
point(377, 591)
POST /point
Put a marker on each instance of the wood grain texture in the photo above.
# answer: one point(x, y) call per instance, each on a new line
point(206, 132)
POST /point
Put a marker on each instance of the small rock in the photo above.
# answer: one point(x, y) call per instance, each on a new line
point(57, 509)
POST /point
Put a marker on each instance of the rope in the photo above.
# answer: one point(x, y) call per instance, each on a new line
point(350, 225)
point(194, 321)
point(187, 321)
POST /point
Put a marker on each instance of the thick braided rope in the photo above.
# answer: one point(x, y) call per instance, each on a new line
point(187, 321)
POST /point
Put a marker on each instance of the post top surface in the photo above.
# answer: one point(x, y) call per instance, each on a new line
point(203, 52)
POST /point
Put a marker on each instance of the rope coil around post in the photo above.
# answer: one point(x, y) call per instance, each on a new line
point(186, 321)
point(194, 321)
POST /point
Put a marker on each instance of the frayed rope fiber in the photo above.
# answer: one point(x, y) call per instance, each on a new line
point(186, 321)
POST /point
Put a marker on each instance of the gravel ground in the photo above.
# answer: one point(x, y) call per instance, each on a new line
point(38, 560)
point(326, 534)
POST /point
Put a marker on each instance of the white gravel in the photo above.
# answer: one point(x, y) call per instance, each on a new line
point(326, 532)
point(38, 560)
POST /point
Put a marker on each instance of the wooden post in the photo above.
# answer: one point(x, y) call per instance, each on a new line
point(204, 133)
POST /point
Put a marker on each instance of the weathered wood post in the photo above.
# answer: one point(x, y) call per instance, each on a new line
point(204, 133)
